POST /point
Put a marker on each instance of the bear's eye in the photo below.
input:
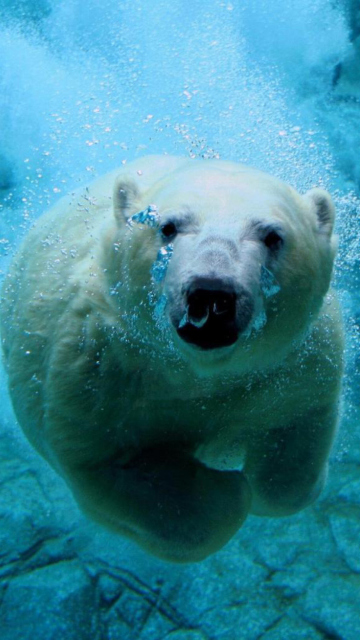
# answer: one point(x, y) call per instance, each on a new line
point(273, 240)
point(168, 230)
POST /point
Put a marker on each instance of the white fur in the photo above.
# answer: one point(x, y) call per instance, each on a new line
point(143, 426)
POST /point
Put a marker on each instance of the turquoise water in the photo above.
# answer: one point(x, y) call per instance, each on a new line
point(87, 87)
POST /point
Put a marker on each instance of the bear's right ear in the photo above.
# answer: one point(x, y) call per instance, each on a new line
point(125, 198)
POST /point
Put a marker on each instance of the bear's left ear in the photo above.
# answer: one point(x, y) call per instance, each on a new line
point(125, 197)
point(321, 203)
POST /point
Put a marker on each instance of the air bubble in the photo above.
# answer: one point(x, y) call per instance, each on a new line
point(149, 216)
point(160, 307)
point(268, 283)
point(260, 321)
point(159, 268)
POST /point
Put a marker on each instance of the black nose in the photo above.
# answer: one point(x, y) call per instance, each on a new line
point(211, 318)
point(204, 305)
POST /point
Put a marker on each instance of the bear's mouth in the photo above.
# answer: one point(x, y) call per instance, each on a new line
point(212, 319)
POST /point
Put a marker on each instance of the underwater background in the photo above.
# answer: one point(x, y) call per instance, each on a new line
point(86, 87)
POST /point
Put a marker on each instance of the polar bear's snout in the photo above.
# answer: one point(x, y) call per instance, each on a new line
point(216, 312)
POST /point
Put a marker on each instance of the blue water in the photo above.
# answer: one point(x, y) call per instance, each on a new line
point(86, 87)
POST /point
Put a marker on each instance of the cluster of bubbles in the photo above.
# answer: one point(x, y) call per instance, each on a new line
point(82, 92)
point(150, 217)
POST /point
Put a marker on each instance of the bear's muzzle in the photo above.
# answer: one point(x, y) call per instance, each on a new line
point(216, 313)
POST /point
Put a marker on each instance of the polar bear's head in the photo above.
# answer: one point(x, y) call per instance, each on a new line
point(251, 259)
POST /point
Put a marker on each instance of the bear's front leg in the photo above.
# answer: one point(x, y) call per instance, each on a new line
point(286, 467)
point(165, 500)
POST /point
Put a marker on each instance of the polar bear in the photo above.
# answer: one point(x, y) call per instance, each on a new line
point(173, 349)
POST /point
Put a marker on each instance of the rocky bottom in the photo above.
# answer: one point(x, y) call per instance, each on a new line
point(62, 577)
